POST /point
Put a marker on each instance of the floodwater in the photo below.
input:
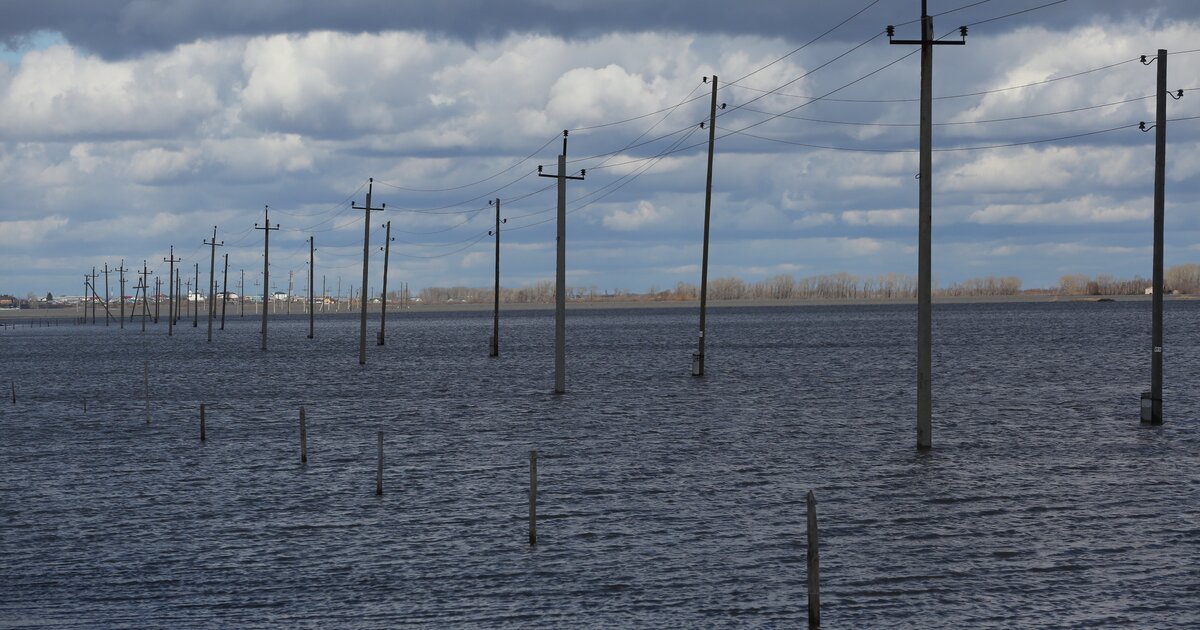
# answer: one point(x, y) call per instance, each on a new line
point(664, 500)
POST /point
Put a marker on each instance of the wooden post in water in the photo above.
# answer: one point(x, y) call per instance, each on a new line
point(202, 436)
point(379, 470)
point(146, 385)
point(303, 438)
point(814, 565)
point(533, 497)
point(14, 391)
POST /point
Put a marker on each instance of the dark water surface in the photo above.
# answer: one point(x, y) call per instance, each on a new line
point(665, 500)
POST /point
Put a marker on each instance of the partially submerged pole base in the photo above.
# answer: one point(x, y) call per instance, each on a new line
point(814, 565)
point(493, 347)
point(532, 497)
point(697, 364)
point(303, 438)
point(203, 437)
point(1151, 409)
point(379, 470)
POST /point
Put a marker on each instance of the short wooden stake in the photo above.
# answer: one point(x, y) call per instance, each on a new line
point(379, 471)
point(146, 385)
point(84, 405)
point(532, 497)
point(303, 438)
point(202, 436)
point(814, 565)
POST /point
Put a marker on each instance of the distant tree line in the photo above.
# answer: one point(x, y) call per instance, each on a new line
point(1180, 278)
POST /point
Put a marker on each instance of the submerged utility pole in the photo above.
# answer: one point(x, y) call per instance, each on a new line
point(311, 263)
point(560, 279)
point(387, 250)
point(212, 280)
point(145, 294)
point(121, 280)
point(178, 292)
point(698, 358)
point(224, 291)
point(367, 209)
point(495, 345)
point(242, 294)
point(196, 294)
point(266, 228)
point(107, 299)
point(92, 284)
point(1152, 400)
point(925, 221)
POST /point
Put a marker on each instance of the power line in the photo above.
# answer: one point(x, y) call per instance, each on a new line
point(808, 43)
point(1008, 15)
point(475, 183)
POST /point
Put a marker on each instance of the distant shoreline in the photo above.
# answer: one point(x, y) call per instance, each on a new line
point(72, 312)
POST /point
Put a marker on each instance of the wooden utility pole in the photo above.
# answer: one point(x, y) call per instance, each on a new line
point(311, 261)
point(171, 304)
point(1152, 400)
point(157, 296)
point(93, 298)
point(242, 293)
point(212, 280)
point(367, 209)
point(107, 299)
point(121, 280)
point(196, 292)
point(925, 221)
point(494, 350)
point(145, 294)
point(224, 291)
point(698, 358)
point(560, 280)
point(266, 228)
point(387, 250)
point(178, 292)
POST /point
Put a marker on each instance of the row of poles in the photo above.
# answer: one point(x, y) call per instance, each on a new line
point(1151, 401)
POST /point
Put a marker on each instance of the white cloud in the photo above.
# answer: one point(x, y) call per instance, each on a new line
point(30, 233)
point(906, 216)
point(643, 215)
point(1089, 209)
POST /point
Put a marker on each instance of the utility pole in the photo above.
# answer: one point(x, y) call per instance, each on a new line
point(925, 221)
point(242, 293)
point(196, 291)
point(93, 297)
point(367, 209)
point(266, 228)
point(387, 250)
point(145, 294)
point(178, 292)
point(212, 280)
point(698, 358)
point(171, 304)
point(157, 297)
point(121, 280)
point(1152, 400)
point(291, 285)
point(311, 261)
point(224, 291)
point(560, 280)
point(495, 345)
point(107, 299)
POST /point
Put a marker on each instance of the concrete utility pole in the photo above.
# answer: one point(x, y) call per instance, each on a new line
point(925, 221)
point(560, 280)
point(196, 291)
point(698, 358)
point(92, 284)
point(387, 250)
point(311, 261)
point(107, 299)
point(224, 291)
point(145, 294)
point(495, 345)
point(121, 280)
point(1152, 400)
point(266, 228)
point(367, 209)
point(174, 295)
point(178, 292)
point(212, 280)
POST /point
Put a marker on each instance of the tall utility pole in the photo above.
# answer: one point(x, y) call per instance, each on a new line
point(560, 280)
point(157, 296)
point(224, 291)
point(121, 280)
point(291, 284)
point(387, 250)
point(494, 351)
point(925, 221)
point(367, 209)
point(212, 280)
point(93, 296)
point(698, 358)
point(242, 294)
point(311, 262)
point(107, 299)
point(178, 292)
point(1152, 400)
point(171, 278)
point(196, 294)
point(266, 228)
point(145, 294)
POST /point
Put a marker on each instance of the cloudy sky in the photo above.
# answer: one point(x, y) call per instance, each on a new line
point(130, 126)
